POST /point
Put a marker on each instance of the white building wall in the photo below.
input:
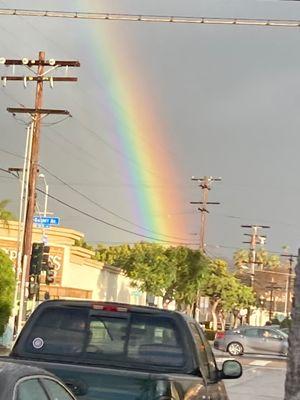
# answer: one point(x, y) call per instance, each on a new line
point(82, 277)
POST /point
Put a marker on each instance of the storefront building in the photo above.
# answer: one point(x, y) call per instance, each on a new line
point(77, 274)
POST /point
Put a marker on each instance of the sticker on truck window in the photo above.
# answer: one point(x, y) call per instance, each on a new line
point(38, 343)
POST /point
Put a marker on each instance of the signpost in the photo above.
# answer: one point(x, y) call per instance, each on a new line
point(45, 222)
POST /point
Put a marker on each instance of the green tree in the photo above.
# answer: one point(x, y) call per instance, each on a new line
point(146, 264)
point(7, 289)
point(5, 214)
point(173, 273)
point(225, 291)
point(190, 266)
point(82, 243)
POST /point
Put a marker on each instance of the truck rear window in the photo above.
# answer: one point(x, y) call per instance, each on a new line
point(115, 337)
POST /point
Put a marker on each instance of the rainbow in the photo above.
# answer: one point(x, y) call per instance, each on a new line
point(138, 134)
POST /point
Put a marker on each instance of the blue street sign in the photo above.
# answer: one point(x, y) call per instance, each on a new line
point(41, 226)
point(45, 222)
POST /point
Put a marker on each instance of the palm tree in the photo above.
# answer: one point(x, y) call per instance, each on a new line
point(5, 214)
point(267, 260)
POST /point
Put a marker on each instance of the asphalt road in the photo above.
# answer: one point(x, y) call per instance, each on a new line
point(263, 378)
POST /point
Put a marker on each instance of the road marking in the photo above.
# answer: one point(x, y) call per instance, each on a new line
point(260, 363)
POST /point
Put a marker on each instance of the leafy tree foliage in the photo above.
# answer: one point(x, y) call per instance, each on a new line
point(7, 288)
point(82, 243)
point(225, 291)
point(180, 274)
point(190, 266)
point(173, 273)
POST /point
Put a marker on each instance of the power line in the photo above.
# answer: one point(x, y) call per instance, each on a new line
point(50, 126)
point(135, 233)
point(83, 195)
point(104, 208)
point(96, 135)
point(262, 22)
point(11, 153)
point(110, 224)
point(93, 201)
point(185, 212)
point(104, 221)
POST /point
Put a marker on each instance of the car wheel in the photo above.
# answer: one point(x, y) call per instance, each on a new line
point(235, 349)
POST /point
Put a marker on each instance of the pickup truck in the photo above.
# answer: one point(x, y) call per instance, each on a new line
point(112, 351)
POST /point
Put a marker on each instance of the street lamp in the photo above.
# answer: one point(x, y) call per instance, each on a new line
point(42, 176)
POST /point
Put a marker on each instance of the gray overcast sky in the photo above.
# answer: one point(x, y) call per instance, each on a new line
point(226, 96)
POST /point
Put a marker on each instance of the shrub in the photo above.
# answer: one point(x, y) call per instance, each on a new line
point(210, 334)
point(7, 289)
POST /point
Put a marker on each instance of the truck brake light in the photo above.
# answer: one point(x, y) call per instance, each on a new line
point(109, 307)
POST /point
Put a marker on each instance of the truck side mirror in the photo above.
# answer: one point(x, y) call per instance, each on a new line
point(231, 369)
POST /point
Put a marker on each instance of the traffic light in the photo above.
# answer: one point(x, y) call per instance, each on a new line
point(36, 258)
point(33, 287)
point(49, 274)
point(45, 258)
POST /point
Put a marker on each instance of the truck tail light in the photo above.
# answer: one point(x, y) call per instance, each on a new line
point(109, 307)
point(220, 335)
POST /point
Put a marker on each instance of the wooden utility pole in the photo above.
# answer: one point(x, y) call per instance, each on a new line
point(254, 237)
point(291, 258)
point(33, 171)
point(205, 185)
point(40, 75)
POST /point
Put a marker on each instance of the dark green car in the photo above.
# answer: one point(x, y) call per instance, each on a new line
point(110, 351)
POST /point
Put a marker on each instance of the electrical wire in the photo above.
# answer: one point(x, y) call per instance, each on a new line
point(87, 162)
point(104, 221)
point(57, 122)
point(94, 133)
point(110, 224)
point(93, 201)
point(124, 229)
point(11, 153)
point(149, 18)
point(96, 203)
point(104, 208)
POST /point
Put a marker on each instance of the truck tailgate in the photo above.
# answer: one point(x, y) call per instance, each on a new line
point(97, 383)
